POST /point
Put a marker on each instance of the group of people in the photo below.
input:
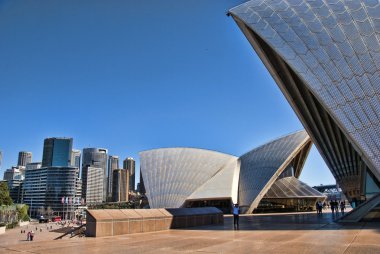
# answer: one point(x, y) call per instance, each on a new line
point(29, 235)
point(319, 205)
point(335, 205)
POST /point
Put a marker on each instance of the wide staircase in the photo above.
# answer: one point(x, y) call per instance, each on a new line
point(366, 210)
point(76, 232)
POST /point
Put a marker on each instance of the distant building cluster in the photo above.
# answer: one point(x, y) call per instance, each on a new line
point(67, 179)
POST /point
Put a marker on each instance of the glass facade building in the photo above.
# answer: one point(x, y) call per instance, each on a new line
point(57, 152)
point(94, 165)
point(45, 187)
point(24, 158)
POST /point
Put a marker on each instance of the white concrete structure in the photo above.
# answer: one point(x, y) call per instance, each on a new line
point(176, 176)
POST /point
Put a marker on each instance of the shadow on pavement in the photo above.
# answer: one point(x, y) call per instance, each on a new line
point(298, 221)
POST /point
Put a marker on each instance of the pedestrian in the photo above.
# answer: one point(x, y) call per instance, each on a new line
point(317, 206)
point(40, 229)
point(28, 236)
point(31, 235)
point(336, 206)
point(332, 206)
point(342, 206)
point(236, 211)
point(320, 206)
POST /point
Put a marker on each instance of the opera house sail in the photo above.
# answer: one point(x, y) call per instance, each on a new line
point(190, 177)
point(325, 58)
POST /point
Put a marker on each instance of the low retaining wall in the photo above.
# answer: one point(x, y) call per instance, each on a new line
point(111, 222)
point(23, 223)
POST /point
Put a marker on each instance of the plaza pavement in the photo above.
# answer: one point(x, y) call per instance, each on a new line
point(264, 233)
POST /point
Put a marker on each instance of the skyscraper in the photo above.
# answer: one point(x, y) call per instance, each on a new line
point(120, 186)
point(57, 152)
point(94, 171)
point(75, 158)
point(45, 187)
point(113, 163)
point(11, 173)
point(33, 165)
point(129, 165)
point(24, 158)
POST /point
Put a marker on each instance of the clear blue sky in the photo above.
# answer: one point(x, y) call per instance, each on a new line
point(136, 75)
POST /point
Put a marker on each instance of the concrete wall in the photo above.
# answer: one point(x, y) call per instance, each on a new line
point(111, 222)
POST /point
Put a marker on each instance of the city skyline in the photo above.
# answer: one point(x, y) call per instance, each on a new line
point(169, 87)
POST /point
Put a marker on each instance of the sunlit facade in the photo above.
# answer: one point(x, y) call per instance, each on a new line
point(325, 58)
point(190, 177)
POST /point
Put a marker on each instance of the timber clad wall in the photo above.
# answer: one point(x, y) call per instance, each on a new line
point(111, 222)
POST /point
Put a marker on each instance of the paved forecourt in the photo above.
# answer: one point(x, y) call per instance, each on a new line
point(267, 233)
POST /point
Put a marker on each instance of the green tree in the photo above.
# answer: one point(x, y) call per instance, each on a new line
point(23, 212)
point(5, 199)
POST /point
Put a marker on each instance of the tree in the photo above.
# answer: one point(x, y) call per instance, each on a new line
point(5, 199)
point(41, 211)
point(23, 212)
point(49, 211)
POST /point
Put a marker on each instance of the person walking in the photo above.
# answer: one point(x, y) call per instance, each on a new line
point(236, 211)
point(320, 205)
point(31, 235)
point(332, 206)
point(28, 236)
point(342, 207)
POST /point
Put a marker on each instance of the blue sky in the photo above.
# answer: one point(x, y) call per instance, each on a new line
point(135, 75)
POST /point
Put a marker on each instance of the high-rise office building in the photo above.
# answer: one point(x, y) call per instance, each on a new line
point(75, 158)
point(62, 182)
point(93, 185)
point(35, 189)
point(129, 165)
point(113, 163)
point(33, 165)
point(120, 186)
point(94, 165)
point(57, 152)
point(24, 158)
point(45, 187)
point(11, 173)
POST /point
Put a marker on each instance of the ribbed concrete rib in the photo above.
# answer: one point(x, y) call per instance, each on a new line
point(325, 58)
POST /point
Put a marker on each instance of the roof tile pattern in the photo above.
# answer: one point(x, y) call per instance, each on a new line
point(171, 175)
point(260, 167)
point(334, 47)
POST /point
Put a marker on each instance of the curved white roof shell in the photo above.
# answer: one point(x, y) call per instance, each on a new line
point(173, 176)
point(325, 57)
point(260, 168)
